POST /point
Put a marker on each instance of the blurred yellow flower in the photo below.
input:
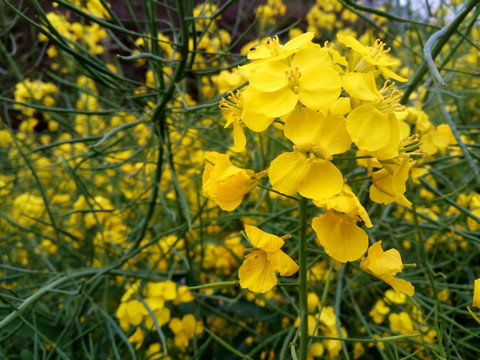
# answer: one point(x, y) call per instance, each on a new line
point(257, 272)
point(185, 329)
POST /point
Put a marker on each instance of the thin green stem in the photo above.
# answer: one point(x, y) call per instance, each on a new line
point(436, 49)
point(302, 278)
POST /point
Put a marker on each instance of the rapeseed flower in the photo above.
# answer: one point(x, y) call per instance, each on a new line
point(257, 272)
point(225, 183)
point(389, 184)
point(337, 231)
point(309, 77)
point(385, 265)
point(373, 125)
point(185, 329)
point(308, 169)
point(365, 59)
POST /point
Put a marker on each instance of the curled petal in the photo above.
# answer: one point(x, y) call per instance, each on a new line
point(282, 263)
point(262, 240)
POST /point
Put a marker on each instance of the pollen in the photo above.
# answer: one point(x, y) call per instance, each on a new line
point(293, 74)
point(233, 102)
point(273, 45)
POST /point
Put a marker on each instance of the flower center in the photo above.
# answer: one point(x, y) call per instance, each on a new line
point(390, 102)
point(293, 75)
point(273, 45)
point(312, 151)
point(232, 103)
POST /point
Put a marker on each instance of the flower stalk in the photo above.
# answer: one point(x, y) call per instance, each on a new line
point(302, 276)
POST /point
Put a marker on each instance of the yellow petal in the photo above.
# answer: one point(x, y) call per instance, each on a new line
point(361, 86)
point(383, 262)
point(299, 41)
point(399, 285)
point(390, 74)
point(250, 116)
point(381, 197)
point(322, 180)
point(368, 127)
point(390, 150)
point(286, 171)
point(269, 76)
point(310, 59)
point(282, 263)
point(476, 294)
point(328, 133)
point(256, 273)
point(239, 139)
point(341, 238)
point(320, 88)
point(341, 107)
point(222, 161)
point(262, 240)
point(351, 42)
point(231, 184)
point(274, 104)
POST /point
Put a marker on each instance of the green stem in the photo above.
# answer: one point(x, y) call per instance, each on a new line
point(302, 277)
point(436, 48)
point(222, 284)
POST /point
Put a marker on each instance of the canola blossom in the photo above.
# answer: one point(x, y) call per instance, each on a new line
point(225, 183)
point(385, 265)
point(308, 169)
point(257, 272)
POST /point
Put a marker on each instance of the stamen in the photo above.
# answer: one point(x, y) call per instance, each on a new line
point(233, 102)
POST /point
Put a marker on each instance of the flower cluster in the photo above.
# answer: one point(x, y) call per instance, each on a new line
point(323, 103)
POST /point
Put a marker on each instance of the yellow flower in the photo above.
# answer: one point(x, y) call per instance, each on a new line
point(366, 59)
point(185, 329)
point(373, 125)
point(130, 313)
point(309, 77)
point(384, 265)
point(337, 231)
point(272, 49)
point(236, 110)
point(225, 183)
point(154, 352)
point(257, 272)
point(137, 338)
point(388, 184)
point(401, 323)
point(379, 311)
point(308, 169)
point(341, 238)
